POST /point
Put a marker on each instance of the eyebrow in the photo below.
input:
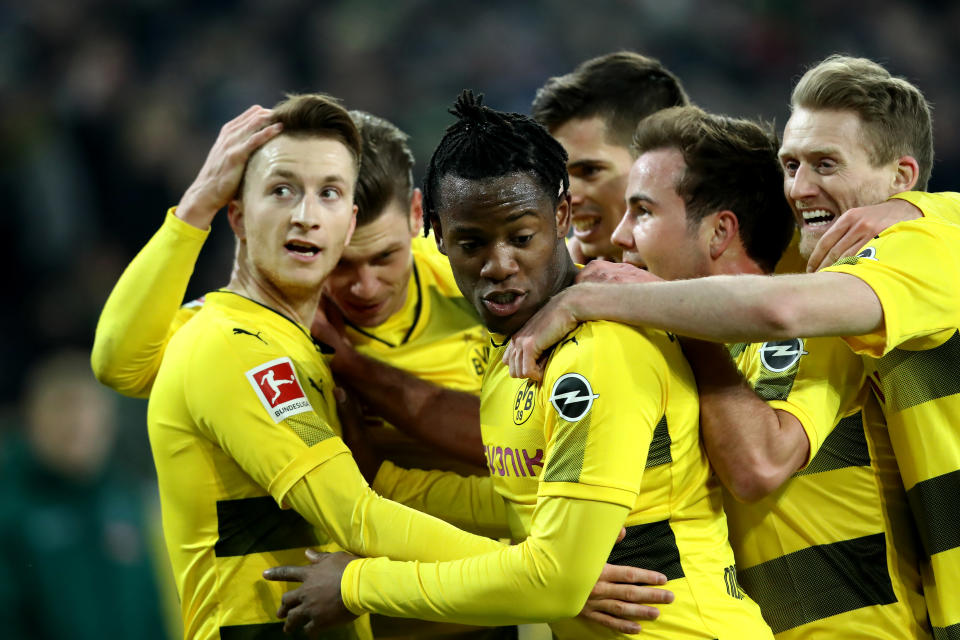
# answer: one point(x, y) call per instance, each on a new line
point(584, 162)
point(286, 173)
point(637, 198)
point(816, 151)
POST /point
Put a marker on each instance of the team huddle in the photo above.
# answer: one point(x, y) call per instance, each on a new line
point(425, 394)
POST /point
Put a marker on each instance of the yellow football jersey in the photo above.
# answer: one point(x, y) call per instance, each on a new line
point(814, 570)
point(242, 403)
point(243, 423)
point(614, 421)
point(914, 269)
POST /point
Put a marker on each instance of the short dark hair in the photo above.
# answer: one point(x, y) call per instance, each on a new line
point(895, 116)
point(622, 88)
point(485, 143)
point(320, 115)
point(386, 173)
point(731, 164)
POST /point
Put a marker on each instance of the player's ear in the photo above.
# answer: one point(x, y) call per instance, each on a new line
point(908, 172)
point(723, 228)
point(416, 213)
point(235, 216)
point(563, 215)
point(353, 225)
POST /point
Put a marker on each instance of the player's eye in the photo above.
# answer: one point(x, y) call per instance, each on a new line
point(522, 239)
point(330, 193)
point(790, 167)
point(282, 191)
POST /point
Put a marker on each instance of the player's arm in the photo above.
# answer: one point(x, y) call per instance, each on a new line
point(300, 460)
point(743, 308)
point(753, 447)
point(445, 418)
point(143, 309)
point(470, 503)
point(586, 490)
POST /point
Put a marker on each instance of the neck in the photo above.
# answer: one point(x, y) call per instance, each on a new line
point(297, 305)
point(741, 265)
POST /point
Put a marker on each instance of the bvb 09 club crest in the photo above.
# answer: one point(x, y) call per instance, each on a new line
point(526, 399)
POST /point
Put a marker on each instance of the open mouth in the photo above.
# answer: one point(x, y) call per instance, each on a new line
point(584, 225)
point(503, 303)
point(302, 248)
point(817, 217)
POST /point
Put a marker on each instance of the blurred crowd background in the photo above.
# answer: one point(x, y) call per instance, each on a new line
point(107, 110)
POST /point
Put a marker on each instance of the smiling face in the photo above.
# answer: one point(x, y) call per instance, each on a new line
point(504, 238)
point(295, 213)
point(598, 174)
point(654, 232)
point(369, 284)
point(827, 171)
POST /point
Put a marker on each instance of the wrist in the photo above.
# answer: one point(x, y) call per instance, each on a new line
point(195, 213)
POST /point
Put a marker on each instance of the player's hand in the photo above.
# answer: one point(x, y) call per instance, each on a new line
point(857, 227)
point(622, 596)
point(614, 272)
point(219, 178)
point(554, 320)
point(316, 604)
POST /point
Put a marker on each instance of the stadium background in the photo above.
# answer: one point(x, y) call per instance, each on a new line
point(108, 109)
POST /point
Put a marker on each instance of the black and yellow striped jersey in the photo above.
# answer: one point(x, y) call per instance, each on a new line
point(911, 360)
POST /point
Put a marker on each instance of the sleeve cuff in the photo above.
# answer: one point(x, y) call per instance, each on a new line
point(350, 587)
point(813, 436)
point(181, 228)
point(304, 464)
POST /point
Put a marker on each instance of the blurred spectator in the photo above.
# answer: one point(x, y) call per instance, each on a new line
point(75, 550)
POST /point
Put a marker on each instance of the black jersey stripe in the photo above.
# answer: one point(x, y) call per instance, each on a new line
point(846, 446)
point(820, 581)
point(936, 511)
point(909, 378)
point(947, 633)
point(659, 453)
point(274, 631)
point(256, 525)
point(649, 546)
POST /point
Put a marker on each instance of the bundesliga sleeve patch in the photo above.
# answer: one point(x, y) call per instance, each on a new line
point(276, 384)
point(572, 396)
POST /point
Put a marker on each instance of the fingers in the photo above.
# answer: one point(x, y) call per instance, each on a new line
point(622, 534)
point(623, 610)
point(296, 619)
point(631, 575)
point(611, 622)
point(285, 574)
point(289, 601)
point(631, 593)
point(314, 556)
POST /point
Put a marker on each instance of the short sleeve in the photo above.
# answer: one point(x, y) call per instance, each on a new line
point(914, 269)
point(605, 392)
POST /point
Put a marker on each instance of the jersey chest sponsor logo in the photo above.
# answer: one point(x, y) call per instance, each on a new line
point(525, 402)
point(278, 389)
point(781, 355)
point(572, 396)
